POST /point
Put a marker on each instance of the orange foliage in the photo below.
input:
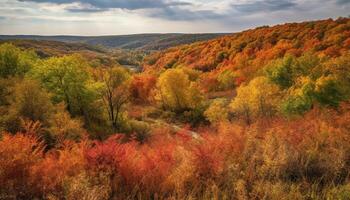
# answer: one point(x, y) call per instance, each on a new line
point(141, 87)
point(18, 154)
point(252, 49)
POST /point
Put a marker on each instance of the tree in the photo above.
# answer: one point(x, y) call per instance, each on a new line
point(141, 87)
point(299, 98)
point(62, 127)
point(177, 92)
point(226, 80)
point(280, 72)
point(217, 111)
point(13, 61)
point(114, 92)
point(257, 99)
point(330, 91)
point(69, 80)
point(30, 102)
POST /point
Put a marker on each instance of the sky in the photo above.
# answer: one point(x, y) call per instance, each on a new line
point(118, 17)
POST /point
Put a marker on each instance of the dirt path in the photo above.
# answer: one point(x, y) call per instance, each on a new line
point(175, 127)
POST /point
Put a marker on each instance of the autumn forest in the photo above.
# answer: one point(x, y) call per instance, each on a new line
point(258, 114)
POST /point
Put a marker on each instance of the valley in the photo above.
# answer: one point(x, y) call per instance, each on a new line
point(258, 114)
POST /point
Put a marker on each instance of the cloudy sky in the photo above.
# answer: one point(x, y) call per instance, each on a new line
point(114, 17)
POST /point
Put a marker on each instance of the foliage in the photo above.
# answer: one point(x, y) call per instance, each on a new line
point(62, 127)
point(69, 79)
point(226, 80)
point(280, 72)
point(114, 93)
point(217, 111)
point(176, 91)
point(258, 98)
point(141, 88)
point(299, 70)
point(28, 102)
point(14, 61)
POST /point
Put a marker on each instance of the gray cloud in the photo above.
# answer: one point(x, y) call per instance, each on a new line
point(180, 14)
point(167, 9)
point(341, 2)
point(265, 6)
point(99, 5)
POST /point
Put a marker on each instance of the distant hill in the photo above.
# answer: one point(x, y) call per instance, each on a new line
point(136, 41)
point(46, 48)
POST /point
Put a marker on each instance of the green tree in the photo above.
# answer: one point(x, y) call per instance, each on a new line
point(299, 98)
point(14, 61)
point(330, 91)
point(280, 72)
point(69, 80)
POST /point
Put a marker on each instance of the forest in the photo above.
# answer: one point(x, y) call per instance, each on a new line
point(259, 114)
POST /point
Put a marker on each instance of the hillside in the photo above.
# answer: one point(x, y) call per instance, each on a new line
point(46, 48)
point(246, 52)
point(136, 41)
point(97, 55)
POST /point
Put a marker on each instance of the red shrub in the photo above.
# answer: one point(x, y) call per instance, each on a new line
point(18, 154)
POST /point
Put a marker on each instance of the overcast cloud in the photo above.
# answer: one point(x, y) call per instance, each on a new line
point(109, 17)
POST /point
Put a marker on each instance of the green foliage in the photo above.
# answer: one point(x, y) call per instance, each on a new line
point(195, 116)
point(300, 98)
point(280, 72)
point(14, 61)
point(67, 78)
point(329, 91)
point(70, 81)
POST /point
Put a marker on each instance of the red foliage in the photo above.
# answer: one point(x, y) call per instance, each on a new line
point(107, 155)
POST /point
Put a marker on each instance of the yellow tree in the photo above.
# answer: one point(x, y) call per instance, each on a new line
point(257, 99)
point(176, 91)
point(217, 111)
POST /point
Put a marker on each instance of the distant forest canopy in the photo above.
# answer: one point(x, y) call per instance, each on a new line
point(148, 42)
point(261, 114)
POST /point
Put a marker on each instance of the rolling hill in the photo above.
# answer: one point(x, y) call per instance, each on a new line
point(136, 41)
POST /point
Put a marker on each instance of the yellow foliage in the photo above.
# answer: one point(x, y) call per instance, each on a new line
point(176, 91)
point(259, 97)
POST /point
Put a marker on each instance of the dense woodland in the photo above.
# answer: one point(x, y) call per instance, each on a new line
point(261, 114)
